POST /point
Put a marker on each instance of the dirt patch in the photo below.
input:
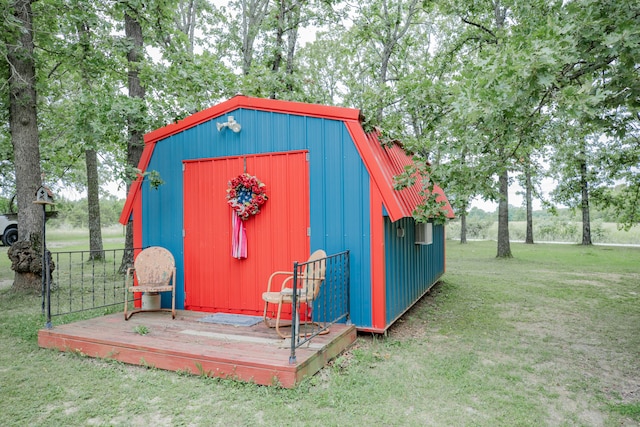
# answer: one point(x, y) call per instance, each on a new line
point(413, 324)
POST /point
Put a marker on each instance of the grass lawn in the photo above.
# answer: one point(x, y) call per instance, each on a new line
point(550, 337)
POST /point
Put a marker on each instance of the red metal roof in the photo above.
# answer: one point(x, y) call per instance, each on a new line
point(241, 101)
point(381, 163)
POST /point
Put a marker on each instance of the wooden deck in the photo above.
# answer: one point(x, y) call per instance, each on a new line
point(245, 353)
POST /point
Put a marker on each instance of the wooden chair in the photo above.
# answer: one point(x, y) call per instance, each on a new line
point(308, 289)
point(154, 268)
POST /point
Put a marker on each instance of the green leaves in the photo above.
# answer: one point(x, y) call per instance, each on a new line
point(470, 86)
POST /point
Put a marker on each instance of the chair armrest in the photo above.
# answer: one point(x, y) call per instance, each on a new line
point(278, 273)
point(289, 292)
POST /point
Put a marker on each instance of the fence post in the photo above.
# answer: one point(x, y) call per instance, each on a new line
point(44, 197)
point(49, 325)
point(46, 271)
point(44, 255)
point(294, 314)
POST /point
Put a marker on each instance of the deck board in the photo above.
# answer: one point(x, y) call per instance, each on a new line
point(246, 353)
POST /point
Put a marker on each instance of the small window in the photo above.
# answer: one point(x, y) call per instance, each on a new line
point(424, 233)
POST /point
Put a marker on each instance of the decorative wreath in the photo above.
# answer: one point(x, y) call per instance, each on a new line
point(246, 194)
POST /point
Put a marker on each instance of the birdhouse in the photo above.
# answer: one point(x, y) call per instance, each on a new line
point(44, 196)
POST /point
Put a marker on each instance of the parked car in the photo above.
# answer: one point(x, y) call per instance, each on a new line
point(9, 230)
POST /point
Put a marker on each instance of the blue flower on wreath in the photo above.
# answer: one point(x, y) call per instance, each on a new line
point(246, 194)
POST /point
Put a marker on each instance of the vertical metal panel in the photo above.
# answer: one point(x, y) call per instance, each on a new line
point(411, 269)
point(340, 207)
point(162, 210)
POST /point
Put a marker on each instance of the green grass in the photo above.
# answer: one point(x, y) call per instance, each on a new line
point(549, 337)
point(74, 239)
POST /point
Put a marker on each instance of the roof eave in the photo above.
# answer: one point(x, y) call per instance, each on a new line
point(241, 101)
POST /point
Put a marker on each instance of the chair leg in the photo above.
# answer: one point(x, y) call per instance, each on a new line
point(300, 324)
point(128, 314)
point(309, 315)
point(266, 320)
point(173, 303)
point(126, 299)
point(278, 322)
point(264, 315)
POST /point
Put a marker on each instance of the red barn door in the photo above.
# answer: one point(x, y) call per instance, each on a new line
point(277, 236)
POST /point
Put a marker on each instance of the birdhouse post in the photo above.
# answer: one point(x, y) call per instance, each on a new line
point(44, 197)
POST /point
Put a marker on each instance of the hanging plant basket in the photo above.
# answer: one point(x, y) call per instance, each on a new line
point(245, 195)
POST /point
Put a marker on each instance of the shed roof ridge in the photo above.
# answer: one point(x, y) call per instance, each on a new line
point(251, 103)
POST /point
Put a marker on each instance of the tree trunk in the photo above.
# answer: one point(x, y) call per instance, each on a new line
point(397, 24)
point(463, 224)
point(529, 199)
point(186, 21)
point(504, 246)
point(127, 254)
point(279, 47)
point(133, 32)
point(279, 43)
point(292, 41)
point(23, 125)
point(90, 155)
point(463, 228)
point(253, 14)
point(584, 186)
point(93, 201)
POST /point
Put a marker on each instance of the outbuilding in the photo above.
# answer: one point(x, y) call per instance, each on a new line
point(326, 184)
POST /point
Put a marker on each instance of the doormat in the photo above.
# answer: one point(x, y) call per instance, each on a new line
point(231, 319)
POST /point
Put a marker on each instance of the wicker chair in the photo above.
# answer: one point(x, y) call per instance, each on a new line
point(155, 271)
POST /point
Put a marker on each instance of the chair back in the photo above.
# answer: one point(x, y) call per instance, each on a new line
point(314, 274)
point(154, 266)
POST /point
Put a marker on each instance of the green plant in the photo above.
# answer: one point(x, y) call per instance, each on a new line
point(141, 330)
point(632, 410)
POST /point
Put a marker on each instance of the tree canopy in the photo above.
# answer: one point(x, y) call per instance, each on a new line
point(481, 91)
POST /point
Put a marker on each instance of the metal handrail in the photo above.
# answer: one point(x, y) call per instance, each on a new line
point(330, 307)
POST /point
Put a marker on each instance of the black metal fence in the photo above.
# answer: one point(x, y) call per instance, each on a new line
point(83, 281)
point(331, 305)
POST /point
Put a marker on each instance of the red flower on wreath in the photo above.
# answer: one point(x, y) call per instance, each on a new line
point(246, 194)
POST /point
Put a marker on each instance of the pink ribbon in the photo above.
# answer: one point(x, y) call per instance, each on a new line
point(238, 237)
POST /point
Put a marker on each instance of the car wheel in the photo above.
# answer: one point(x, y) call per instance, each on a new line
point(10, 236)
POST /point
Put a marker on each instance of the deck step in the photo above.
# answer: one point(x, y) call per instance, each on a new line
point(245, 353)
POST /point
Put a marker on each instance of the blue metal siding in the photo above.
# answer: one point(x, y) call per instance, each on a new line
point(340, 216)
point(410, 269)
point(162, 213)
point(339, 187)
